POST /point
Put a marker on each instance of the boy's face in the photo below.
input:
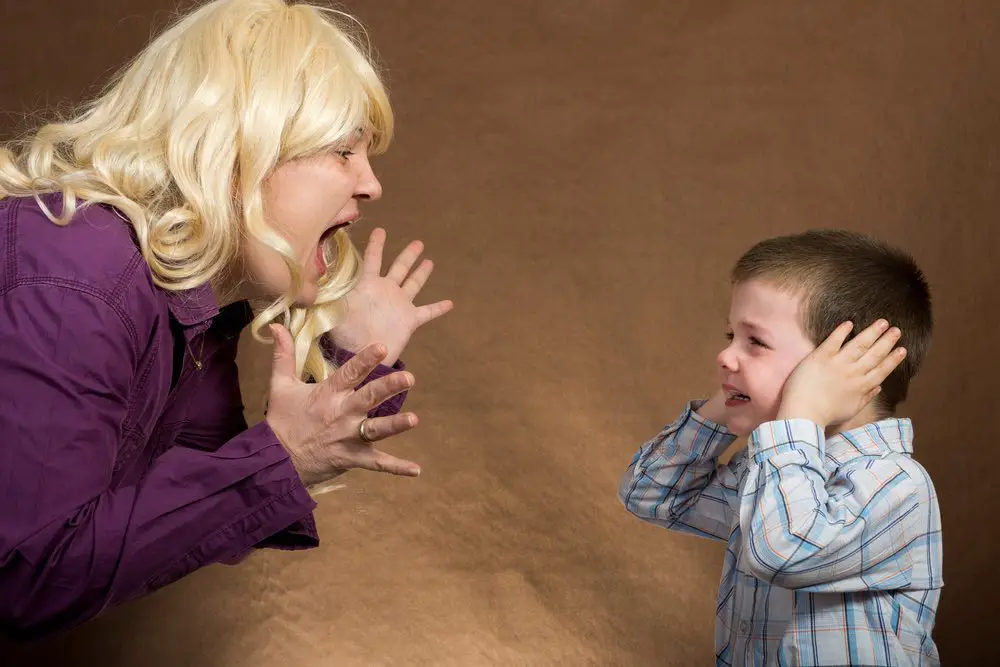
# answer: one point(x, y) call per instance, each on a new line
point(767, 343)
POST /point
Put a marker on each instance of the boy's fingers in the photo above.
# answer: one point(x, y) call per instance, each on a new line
point(837, 337)
point(885, 367)
point(870, 396)
point(864, 340)
point(880, 348)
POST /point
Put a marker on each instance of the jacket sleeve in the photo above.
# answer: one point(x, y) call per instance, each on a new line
point(341, 356)
point(810, 529)
point(676, 481)
point(71, 546)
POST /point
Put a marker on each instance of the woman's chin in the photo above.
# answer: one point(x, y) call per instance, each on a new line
point(305, 299)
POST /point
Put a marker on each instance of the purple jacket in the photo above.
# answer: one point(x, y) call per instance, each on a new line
point(123, 467)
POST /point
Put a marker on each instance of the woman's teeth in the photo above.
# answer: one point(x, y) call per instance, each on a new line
point(328, 233)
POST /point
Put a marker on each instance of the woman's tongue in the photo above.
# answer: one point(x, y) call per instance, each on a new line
point(320, 252)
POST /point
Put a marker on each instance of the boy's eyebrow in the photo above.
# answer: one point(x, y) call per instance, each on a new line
point(753, 326)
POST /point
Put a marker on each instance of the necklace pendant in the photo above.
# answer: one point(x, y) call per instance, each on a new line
point(197, 364)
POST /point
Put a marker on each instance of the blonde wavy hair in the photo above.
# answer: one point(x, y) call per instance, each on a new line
point(182, 139)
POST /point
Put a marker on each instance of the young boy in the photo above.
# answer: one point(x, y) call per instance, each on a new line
point(833, 530)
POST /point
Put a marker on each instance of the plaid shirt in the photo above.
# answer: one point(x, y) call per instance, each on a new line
point(834, 545)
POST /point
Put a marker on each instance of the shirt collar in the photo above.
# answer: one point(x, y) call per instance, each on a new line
point(193, 309)
point(874, 439)
point(197, 309)
point(194, 306)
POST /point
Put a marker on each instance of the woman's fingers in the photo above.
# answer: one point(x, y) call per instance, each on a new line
point(404, 262)
point(380, 428)
point(357, 368)
point(379, 461)
point(416, 280)
point(372, 260)
point(379, 391)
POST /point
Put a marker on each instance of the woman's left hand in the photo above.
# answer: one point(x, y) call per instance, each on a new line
point(380, 309)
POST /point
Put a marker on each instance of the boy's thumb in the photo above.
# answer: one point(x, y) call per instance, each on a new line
point(283, 364)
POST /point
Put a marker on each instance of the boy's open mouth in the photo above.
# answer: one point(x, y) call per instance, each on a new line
point(734, 397)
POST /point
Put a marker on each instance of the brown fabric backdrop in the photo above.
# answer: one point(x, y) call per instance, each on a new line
point(584, 174)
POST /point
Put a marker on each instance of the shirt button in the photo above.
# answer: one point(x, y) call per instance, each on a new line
point(744, 626)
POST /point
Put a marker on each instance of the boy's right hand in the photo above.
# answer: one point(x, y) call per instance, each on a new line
point(714, 409)
point(838, 379)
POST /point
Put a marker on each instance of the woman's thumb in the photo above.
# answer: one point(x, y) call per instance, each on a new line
point(283, 364)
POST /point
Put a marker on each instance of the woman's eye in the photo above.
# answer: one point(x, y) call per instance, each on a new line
point(757, 341)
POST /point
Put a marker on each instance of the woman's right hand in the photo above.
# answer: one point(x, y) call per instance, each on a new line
point(319, 424)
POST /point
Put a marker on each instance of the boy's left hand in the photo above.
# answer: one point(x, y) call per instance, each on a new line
point(380, 309)
point(836, 381)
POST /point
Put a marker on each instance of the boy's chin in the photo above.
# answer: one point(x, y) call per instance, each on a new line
point(743, 426)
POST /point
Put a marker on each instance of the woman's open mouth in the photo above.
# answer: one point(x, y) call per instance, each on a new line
point(321, 260)
point(332, 230)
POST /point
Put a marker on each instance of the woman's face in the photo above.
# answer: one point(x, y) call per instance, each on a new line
point(305, 201)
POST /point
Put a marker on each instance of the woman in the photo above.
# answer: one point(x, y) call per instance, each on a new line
point(221, 168)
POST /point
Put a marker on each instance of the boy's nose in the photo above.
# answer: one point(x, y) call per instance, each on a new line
point(727, 360)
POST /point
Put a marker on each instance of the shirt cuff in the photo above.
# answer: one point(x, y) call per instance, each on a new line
point(700, 435)
point(291, 513)
point(787, 436)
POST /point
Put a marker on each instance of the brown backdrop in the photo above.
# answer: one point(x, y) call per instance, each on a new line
point(584, 173)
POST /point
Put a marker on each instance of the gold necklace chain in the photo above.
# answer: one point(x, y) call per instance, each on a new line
point(201, 351)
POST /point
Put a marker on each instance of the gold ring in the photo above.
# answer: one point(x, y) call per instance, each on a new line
point(361, 431)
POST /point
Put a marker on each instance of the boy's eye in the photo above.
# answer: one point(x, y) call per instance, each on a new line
point(753, 340)
point(345, 153)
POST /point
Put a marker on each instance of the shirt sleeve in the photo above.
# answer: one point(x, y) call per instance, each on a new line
point(807, 528)
point(675, 480)
point(341, 356)
point(207, 427)
point(70, 545)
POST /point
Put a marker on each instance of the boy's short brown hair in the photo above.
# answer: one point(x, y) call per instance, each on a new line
point(842, 275)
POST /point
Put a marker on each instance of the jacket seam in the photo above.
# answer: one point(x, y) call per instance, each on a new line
point(151, 581)
point(10, 261)
point(83, 288)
